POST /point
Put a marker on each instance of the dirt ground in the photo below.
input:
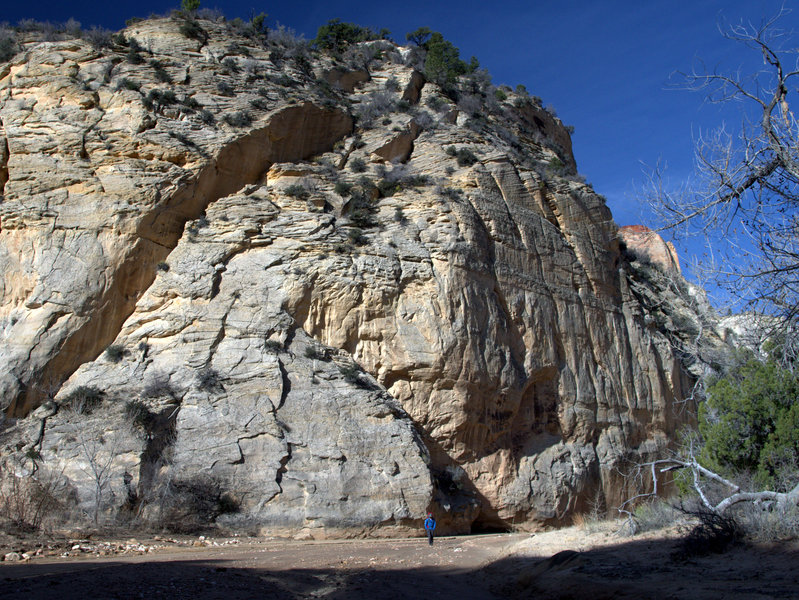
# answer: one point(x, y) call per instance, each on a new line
point(567, 564)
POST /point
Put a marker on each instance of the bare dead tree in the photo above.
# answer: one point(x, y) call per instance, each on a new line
point(700, 474)
point(724, 494)
point(745, 199)
point(96, 458)
point(28, 499)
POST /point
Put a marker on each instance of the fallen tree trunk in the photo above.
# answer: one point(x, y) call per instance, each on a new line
point(783, 500)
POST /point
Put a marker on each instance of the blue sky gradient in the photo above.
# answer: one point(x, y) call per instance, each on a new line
point(604, 66)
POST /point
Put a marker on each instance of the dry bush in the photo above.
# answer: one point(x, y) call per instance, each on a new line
point(373, 106)
point(159, 386)
point(287, 39)
point(760, 523)
point(656, 515)
point(28, 501)
point(470, 104)
point(588, 523)
point(425, 120)
point(596, 518)
point(83, 400)
point(192, 505)
point(210, 380)
point(713, 534)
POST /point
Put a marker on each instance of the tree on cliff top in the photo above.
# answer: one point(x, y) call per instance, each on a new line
point(336, 35)
point(746, 196)
point(419, 36)
point(189, 6)
point(443, 64)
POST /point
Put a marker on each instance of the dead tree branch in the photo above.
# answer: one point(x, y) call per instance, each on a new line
point(782, 500)
point(745, 197)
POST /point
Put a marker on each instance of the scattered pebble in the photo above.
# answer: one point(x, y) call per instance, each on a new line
point(84, 547)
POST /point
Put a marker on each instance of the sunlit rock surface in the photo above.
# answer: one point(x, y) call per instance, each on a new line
point(324, 297)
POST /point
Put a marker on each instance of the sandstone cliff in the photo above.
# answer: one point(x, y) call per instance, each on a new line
point(647, 244)
point(309, 294)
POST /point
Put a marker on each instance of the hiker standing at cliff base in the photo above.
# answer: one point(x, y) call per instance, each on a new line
point(429, 526)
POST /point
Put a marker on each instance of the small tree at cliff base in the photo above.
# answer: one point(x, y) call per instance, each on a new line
point(750, 423)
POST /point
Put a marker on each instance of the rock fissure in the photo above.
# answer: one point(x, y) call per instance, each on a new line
point(240, 460)
point(285, 389)
point(5, 155)
point(220, 336)
point(283, 469)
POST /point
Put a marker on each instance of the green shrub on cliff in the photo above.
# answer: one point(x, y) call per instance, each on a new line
point(464, 156)
point(443, 64)
point(237, 119)
point(161, 73)
point(189, 6)
point(8, 45)
point(336, 35)
point(115, 352)
point(192, 30)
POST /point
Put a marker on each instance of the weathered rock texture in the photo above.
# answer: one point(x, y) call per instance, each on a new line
point(647, 244)
point(288, 320)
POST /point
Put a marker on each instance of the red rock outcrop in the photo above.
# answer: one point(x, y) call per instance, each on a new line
point(647, 244)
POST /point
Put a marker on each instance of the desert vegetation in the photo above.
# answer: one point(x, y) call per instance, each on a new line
point(742, 461)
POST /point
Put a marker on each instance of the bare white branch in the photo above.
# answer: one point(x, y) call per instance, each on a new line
point(745, 196)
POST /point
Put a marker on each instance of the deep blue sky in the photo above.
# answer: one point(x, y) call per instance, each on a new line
point(605, 66)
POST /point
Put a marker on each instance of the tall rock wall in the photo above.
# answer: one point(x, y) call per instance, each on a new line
point(328, 298)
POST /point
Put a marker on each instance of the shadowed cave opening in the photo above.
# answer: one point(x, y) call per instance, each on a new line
point(480, 526)
point(488, 521)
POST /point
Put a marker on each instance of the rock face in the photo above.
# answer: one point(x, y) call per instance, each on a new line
point(647, 244)
point(254, 310)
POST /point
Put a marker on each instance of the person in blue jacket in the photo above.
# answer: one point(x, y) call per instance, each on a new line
point(429, 527)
